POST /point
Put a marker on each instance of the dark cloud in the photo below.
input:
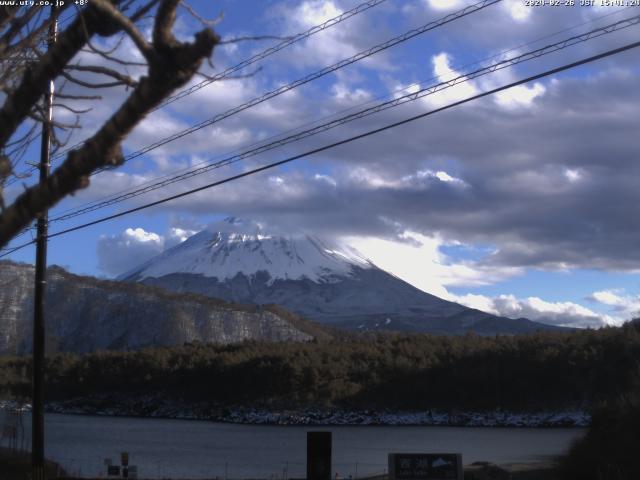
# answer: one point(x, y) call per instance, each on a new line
point(553, 185)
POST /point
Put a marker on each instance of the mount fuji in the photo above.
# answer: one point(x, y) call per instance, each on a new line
point(236, 260)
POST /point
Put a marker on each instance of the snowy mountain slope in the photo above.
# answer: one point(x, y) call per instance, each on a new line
point(237, 261)
point(235, 246)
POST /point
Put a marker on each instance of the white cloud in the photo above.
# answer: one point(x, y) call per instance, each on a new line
point(316, 12)
point(520, 96)
point(417, 259)
point(566, 314)
point(343, 93)
point(328, 45)
point(627, 306)
point(120, 253)
point(572, 175)
point(177, 235)
point(445, 4)
point(442, 69)
point(442, 176)
point(325, 178)
point(517, 9)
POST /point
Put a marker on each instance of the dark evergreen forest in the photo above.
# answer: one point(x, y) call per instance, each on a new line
point(580, 369)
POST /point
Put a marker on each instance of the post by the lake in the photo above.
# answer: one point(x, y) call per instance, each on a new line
point(318, 455)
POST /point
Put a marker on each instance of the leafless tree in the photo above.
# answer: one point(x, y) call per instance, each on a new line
point(27, 65)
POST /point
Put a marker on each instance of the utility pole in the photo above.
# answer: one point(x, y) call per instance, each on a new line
point(37, 412)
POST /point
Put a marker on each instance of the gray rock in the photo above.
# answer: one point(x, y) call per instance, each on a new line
point(86, 314)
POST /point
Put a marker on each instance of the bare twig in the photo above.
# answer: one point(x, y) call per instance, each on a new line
point(127, 25)
point(100, 70)
point(207, 23)
point(34, 83)
point(78, 97)
point(93, 85)
point(174, 64)
point(71, 109)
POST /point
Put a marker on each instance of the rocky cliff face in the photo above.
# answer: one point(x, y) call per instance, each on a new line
point(86, 314)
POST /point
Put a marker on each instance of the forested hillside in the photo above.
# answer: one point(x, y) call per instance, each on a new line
point(537, 371)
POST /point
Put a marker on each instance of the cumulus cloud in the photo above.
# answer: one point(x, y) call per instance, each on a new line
point(520, 96)
point(445, 4)
point(419, 260)
point(551, 186)
point(177, 235)
point(626, 306)
point(119, 253)
point(566, 314)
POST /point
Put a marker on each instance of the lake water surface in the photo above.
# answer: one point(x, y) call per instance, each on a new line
point(200, 449)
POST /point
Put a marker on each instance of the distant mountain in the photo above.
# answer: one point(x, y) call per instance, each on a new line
point(86, 314)
point(238, 261)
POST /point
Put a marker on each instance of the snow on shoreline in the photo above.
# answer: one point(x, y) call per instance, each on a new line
point(150, 408)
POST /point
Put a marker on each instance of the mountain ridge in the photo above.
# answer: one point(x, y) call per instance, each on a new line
point(87, 314)
point(356, 294)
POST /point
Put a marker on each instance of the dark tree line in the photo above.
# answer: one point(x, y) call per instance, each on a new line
point(543, 370)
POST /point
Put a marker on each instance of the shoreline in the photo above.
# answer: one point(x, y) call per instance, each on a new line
point(154, 408)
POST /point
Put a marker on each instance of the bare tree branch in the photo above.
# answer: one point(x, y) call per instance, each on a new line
point(208, 23)
point(87, 84)
point(77, 97)
point(123, 79)
point(71, 109)
point(34, 82)
point(174, 64)
point(16, 26)
point(127, 25)
point(162, 29)
point(107, 54)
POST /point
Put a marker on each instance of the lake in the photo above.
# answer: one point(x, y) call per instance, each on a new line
point(200, 449)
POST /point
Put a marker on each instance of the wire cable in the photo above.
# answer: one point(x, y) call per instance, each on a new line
point(257, 57)
point(423, 92)
point(270, 51)
point(369, 133)
point(333, 115)
point(314, 76)
point(309, 78)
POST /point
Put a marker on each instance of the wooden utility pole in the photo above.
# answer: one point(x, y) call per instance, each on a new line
point(37, 424)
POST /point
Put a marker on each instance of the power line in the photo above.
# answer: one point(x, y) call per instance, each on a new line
point(369, 133)
point(306, 79)
point(259, 56)
point(243, 64)
point(311, 77)
point(270, 51)
point(626, 23)
point(119, 194)
point(316, 75)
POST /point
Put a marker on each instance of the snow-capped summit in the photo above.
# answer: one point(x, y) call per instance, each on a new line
point(245, 262)
point(235, 246)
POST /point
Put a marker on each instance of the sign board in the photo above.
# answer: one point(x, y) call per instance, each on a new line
point(124, 459)
point(425, 466)
point(113, 470)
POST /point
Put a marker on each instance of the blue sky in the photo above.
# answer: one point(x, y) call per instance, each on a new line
point(520, 204)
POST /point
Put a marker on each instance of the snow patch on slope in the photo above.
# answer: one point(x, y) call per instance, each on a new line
point(235, 246)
